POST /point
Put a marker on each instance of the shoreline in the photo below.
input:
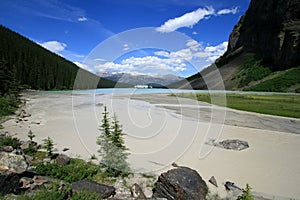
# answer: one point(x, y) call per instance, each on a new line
point(156, 138)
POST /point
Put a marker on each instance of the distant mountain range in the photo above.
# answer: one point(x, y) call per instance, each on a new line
point(155, 80)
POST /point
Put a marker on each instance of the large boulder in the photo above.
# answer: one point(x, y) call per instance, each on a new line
point(63, 159)
point(181, 183)
point(9, 182)
point(104, 191)
point(12, 162)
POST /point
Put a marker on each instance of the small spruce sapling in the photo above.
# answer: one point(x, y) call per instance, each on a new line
point(48, 146)
point(31, 136)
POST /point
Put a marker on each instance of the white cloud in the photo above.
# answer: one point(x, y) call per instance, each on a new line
point(82, 19)
point(163, 62)
point(99, 60)
point(125, 47)
point(83, 66)
point(54, 46)
point(215, 52)
point(193, 45)
point(186, 20)
point(192, 18)
point(228, 11)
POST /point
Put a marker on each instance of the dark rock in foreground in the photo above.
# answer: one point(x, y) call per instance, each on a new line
point(9, 183)
point(104, 191)
point(63, 159)
point(181, 183)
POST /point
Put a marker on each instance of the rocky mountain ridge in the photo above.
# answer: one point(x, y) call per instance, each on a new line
point(271, 30)
point(155, 80)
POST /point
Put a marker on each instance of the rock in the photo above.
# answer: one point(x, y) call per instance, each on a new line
point(62, 159)
point(104, 191)
point(175, 164)
point(137, 192)
point(12, 162)
point(26, 182)
point(237, 145)
point(40, 180)
point(28, 159)
point(271, 30)
point(235, 190)
point(213, 181)
point(8, 149)
point(9, 182)
point(181, 183)
point(25, 145)
point(46, 160)
point(65, 149)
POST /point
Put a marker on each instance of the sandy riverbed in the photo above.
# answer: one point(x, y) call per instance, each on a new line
point(162, 130)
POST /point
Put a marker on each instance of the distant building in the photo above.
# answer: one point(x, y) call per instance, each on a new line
point(142, 86)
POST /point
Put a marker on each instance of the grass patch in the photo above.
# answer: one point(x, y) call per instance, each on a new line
point(286, 105)
point(250, 70)
point(280, 83)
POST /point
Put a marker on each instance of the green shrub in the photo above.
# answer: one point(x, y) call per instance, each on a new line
point(8, 105)
point(74, 171)
point(6, 140)
point(246, 195)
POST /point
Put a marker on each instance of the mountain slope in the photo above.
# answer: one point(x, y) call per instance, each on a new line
point(264, 43)
point(38, 68)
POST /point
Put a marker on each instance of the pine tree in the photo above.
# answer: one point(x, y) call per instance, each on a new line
point(30, 135)
point(120, 150)
point(112, 147)
point(48, 146)
point(104, 140)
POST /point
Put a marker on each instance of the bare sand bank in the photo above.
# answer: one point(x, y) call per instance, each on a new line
point(162, 130)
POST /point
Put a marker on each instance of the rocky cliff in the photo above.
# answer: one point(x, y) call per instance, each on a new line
point(271, 30)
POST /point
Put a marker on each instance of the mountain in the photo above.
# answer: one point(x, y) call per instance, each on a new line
point(156, 81)
point(263, 51)
point(35, 67)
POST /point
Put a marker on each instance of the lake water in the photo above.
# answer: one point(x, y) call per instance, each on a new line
point(156, 91)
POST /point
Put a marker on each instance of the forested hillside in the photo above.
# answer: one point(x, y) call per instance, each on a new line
point(37, 68)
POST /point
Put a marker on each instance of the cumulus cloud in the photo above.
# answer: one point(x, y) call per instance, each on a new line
point(82, 19)
point(54, 46)
point(215, 52)
point(186, 20)
point(228, 11)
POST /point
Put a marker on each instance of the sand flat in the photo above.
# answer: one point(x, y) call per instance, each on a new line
point(161, 130)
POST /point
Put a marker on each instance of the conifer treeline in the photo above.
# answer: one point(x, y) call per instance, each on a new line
point(41, 69)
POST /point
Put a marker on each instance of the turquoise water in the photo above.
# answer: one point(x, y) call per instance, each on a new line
point(154, 91)
point(133, 91)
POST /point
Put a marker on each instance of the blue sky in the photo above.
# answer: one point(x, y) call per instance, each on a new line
point(78, 29)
